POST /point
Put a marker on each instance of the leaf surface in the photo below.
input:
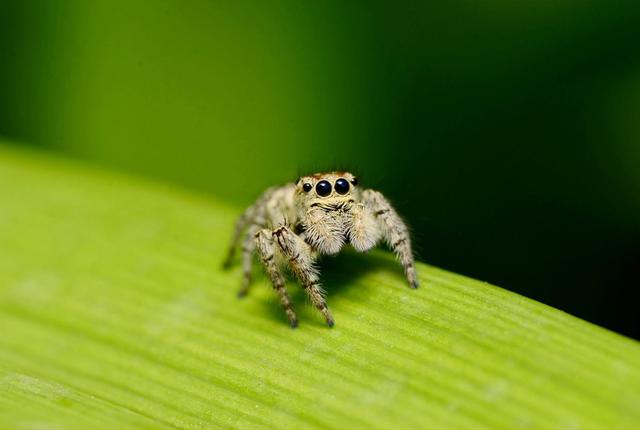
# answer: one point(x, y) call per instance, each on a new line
point(115, 313)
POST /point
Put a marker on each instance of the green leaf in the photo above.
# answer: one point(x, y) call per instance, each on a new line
point(115, 314)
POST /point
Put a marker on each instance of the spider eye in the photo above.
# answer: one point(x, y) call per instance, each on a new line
point(354, 181)
point(342, 186)
point(323, 188)
point(307, 187)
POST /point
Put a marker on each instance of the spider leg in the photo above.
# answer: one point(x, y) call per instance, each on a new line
point(253, 215)
point(248, 246)
point(241, 224)
point(364, 232)
point(301, 259)
point(267, 249)
point(394, 231)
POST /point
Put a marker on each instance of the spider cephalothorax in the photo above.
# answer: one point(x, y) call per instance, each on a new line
point(296, 223)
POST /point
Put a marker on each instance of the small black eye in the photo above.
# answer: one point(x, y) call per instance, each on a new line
point(307, 187)
point(342, 186)
point(323, 188)
point(354, 181)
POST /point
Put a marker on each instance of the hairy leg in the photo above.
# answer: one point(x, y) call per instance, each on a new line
point(253, 215)
point(394, 231)
point(267, 249)
point(364, 233)
point(241, 224)
point(248, 246)
point(301, 259)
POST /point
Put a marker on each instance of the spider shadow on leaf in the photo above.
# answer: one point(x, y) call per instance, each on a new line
point(340, 277)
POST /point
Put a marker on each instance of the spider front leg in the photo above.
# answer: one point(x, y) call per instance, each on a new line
point(364, 233)
point(301, 259)
point(267, 249)
point(394, 231)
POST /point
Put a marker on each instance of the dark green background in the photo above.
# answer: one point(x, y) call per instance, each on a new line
point(507, 133)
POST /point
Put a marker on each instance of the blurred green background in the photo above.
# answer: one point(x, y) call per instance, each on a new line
point(507, 133)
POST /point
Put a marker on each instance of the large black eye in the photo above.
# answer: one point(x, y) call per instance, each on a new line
point(307, 187)
point(323, 188)
point(342, 186)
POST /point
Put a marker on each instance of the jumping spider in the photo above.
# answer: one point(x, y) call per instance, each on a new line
point(296, 223)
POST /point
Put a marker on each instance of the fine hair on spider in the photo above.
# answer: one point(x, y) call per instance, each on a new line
point(294, 224)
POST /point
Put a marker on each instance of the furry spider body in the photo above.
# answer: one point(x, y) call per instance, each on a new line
point(294, 224)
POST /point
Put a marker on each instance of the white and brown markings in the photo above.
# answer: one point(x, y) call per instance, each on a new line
point(294, 224)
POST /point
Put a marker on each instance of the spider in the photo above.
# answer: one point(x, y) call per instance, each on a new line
point(294, 224)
